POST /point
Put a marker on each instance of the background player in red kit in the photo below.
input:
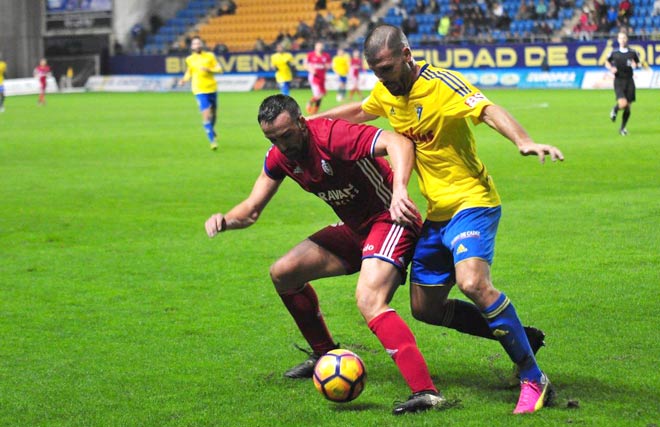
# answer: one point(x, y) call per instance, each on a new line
point(354, 74)
point(317, 64)
point(41, 72)
point(341, 163)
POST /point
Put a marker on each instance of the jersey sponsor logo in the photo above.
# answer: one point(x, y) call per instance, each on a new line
point(419, 137)
point(392, 112)
point(339, 197)
point(461, 249)
point(466, 235)
point(368, 248)
point(326, 168)
point(475, 99)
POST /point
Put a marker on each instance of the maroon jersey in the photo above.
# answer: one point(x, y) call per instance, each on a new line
point(320, 64)
point(356, 67)
point(41, 71)
point(340, 168)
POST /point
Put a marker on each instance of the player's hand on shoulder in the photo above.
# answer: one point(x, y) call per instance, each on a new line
point(215, 224)
point(541, 150)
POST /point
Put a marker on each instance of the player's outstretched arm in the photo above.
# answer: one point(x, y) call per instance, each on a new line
point(247, 212)
point(351, 112)
point(502, 121)
point(401, 152)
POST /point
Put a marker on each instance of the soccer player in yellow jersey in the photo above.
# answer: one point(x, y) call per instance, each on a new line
point(3, 69)
point(341, 64)
point(284, 65)
point(201, 67)
point(434, 107)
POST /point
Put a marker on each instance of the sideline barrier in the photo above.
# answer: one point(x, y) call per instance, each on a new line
point(28, 86)
point(141, 83)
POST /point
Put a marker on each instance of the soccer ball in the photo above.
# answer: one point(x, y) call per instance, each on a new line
point(339, 375)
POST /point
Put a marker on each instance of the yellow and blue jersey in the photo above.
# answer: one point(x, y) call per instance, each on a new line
point(280, 62)
point(341, 64)
point(435, 116)
point(3, 68)
point(201, 67)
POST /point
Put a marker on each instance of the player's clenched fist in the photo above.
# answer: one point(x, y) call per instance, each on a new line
point(215, 224)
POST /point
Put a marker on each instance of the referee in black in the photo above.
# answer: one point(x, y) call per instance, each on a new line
point(621, 62)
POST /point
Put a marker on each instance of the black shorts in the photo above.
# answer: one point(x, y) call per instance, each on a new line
point(624, 88)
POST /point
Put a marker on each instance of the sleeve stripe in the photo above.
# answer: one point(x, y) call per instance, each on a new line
point(373, 142)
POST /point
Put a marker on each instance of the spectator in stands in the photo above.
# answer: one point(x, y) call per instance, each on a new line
point(625, 12)
point(321, 30)
point(410, 25)
point(155, 22)
point(444, 25)
point(541, 10)
point(351, 7)
point(139, 36)
point(226, 7)
point(656, 8)
point(339, 28)
point(552, 9)
point(523, 13)
point(366, 10)
point(260, 45)
point(303, 30)
point(531, 7)
point(320, 5)
point(419, 7)
point(433, 8)
point(457, 26)
point(612, 18)
point(501, 20)
point(220, 49)
point(400, 10)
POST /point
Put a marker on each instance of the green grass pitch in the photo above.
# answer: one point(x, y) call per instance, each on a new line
point(117, 310)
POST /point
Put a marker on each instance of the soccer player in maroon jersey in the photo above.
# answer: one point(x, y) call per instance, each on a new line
point(317, 64)
point(354, 74)
point(342, 164)
point(41, 72)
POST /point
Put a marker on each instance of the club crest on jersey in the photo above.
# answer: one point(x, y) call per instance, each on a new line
point(418, 109)
point(392, 112)
point(326, 168)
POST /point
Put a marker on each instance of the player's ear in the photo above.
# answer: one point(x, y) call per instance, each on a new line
point(302, 122)
point(407, 54)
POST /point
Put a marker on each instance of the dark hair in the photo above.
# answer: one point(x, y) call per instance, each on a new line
point(384, 36)
point(274, 105)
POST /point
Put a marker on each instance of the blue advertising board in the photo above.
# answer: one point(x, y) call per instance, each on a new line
point(554, 56)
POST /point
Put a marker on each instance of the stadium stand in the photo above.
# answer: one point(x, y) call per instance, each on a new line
point(252, 20)
point(258, 24)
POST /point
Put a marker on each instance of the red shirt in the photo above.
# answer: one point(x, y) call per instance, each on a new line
point(356, 66)
point(319, 63)
point(42, 71)
point(339, 167)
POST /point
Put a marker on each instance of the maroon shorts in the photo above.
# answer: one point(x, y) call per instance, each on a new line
point(386, 240)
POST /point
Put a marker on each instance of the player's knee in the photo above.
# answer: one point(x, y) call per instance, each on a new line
point(369, 303)
point(475, 287)
point(281, 273)
point(430, 312)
